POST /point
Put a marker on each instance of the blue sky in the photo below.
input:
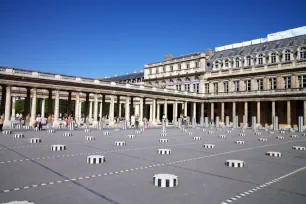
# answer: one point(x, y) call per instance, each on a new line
point(99, 38)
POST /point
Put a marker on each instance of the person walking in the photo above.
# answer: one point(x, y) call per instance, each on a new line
point(38, 122)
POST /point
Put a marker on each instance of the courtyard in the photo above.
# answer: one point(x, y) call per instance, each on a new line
point(32, 172)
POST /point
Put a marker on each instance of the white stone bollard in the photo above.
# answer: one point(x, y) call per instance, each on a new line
point(51, 131)
point(163, 140)
point(222, 136)
point(209, 146)
point(165, 180)
point(18, 136)
point(235, 163)
point(87, 130)
point(90, 138)
point(242, 135)
point(163, 134)
point(164, 151)
point(131, 136)
point(197, 138)
point(263, 139)
point(67, 134)
point(298, 148)
point(95, 159)
point(34, 140)
point(58, 147)
point(280, 137)
point(106, 133)
point(7, 132)
point(239, 142)
point(119, 143)
point(274, 154)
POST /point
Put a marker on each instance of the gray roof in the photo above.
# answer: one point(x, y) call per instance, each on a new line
point(180, 57)
point(252, 50)
point(137, 75)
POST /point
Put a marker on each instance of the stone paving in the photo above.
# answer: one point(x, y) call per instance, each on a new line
point(32, 172)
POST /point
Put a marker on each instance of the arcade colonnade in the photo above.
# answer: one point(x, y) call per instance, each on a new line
point(151, 108)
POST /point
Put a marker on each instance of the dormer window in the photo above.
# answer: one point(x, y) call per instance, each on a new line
point(248, 61)
point(260, 59)
point(287, 56)
point(237, 62)
point(273, 58)
point(303, 53)
point(226, 64)
point(217, 65)
point(179, 66)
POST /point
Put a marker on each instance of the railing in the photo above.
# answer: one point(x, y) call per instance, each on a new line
point(30, 73)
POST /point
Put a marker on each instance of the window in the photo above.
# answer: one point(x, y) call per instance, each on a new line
point(171, 68)
point(187, 87)
point(217, 65)
point(156, 84)
point(187, 66)
point(302, 81)
point(216, 87)
point(303, 53)
point(197, 64)
point(260, 59)
point(247, 84)
point(226, 64)
point(287, 82)
point(287, 56)
point(178, 85)
point(196, 88)
point(236, 85)
point(164, 69)
point(272, 83)
point(248, 61)
point(179, 66)
point(237, 62)
point(273, 58)
point(259, 84)
point(163, 84)
point(225, 86)
point(150, 71)
point(157, 70)
point(206, 87)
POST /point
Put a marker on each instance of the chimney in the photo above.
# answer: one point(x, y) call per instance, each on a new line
point(168, 57)
point(209, 51)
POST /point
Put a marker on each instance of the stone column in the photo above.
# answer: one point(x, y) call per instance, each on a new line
point(13, 108)
point(127, 108)
point(166, 108)
point(175, 111)
point(154, 111)
point(43, 101)
point(86, 109)
point(132, 106)
point(7, 112)
point(158, 113)
point(111, 108)
point(90, 110)
point(95, 115)
point(3, 99)
point(101, 111)
point(119, 109)
point(273, 111)
point(194, 114)
point(69, 103)
point(150, 118)
point(50, 105)
point(33, 106)
point(234, 110)
point(140, 109)
point(76, 108)
point(222, 112)
point(118, 106)
point(246, 113)
point(304, 115)
point(103, 105)
point(80, 110)
point(185, 108)
point(27, 103)
point(212, 111)
point(288, 114)
point(258, 112)
point(202, 110)
point(56, 109)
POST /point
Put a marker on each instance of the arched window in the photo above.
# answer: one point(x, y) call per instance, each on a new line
point(178, 84)
point(196, 84)
point(260, 59)
point(156, 84)
point(150, 83)
point(163, 84)
point(273, 58)
point(303, 53)
point(187, 84)
point(248, 60)
point(237, 62)
point(287, 55)
point(171, 83)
